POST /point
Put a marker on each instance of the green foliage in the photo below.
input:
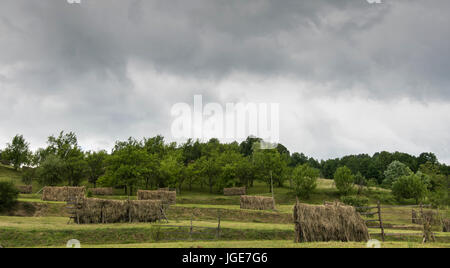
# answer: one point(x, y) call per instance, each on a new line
point(360, 181)
point(305, 180)
point(28, 174)
point(410, 187)
point(344, 179)
point(356, 201)
point(51, 171)
point(394, 171)
point(17, 152)
point(269, 166)
point(126, 166)
point(95, 165)
point(8, 195)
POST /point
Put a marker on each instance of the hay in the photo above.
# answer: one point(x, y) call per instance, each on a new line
point(63, 194)
point(95, 211)
point(446, 225)
point(167, 197)
point(102, 191)
point(234, 191)
point(431, 216)
point(325, 223)
point(145, 210)
point(257, 202)
point(25, 189)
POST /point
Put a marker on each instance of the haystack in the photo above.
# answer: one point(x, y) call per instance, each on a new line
point(431, 216)
point(25, 189)
point(145, 210)
point(446, 225)
point(257, 202)
point(95, 211)
point(63, 194)
point(234, 191)
point(335, 222)
point(102, 191)
point(167, 197)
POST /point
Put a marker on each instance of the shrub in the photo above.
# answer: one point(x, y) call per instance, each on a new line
point(8, 195)
point(344, 179)
point(411, 186)
point(355, 201)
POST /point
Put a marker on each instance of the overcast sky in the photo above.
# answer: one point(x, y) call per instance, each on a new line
point(350, 77)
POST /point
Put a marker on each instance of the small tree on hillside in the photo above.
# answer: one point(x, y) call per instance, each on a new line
point(344, 179)
point(17, 152)
point(305, 180)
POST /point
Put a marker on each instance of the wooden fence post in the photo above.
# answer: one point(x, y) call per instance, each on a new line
point(218, 226)
point(191, 229)
point(381, 221)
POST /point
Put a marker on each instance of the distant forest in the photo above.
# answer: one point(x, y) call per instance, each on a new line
point(151, 162)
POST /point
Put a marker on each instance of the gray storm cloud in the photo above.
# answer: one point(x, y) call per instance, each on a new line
point(112, 69)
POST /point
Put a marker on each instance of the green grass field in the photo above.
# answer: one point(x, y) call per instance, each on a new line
point(45, 224)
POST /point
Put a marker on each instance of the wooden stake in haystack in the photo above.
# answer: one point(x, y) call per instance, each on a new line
point(328, 223)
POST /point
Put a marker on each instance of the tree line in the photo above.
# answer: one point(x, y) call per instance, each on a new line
point(153, 163)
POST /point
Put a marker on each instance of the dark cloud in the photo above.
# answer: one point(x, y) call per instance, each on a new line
point(77, 66)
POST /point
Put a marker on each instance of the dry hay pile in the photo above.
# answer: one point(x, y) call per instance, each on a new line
point(446, 225)
point(167, 197)
point(430, 216)
point(257, 202)
point(234, 191)
point(325, 223)
point(25, 189)
point(63, 193)
point(102, 191)
point(94, 211)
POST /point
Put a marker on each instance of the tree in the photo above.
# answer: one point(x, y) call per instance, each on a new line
point(50, 171)
point(305, 180)
point(66, 148)
point(394, 171)
point(410, 186)
point(172, 170)
point(270, 166)
point(344, 179)
point(125, 166)
point(8, 195)
point(96, 165)
point(17, 152)
point(210, 169)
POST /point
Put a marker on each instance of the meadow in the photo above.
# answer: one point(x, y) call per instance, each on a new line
point(37, 223)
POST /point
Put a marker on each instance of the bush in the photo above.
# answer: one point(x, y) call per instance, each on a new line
point(411, 186)
point(344, 179)
point(357, 202)
point(8, 195)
